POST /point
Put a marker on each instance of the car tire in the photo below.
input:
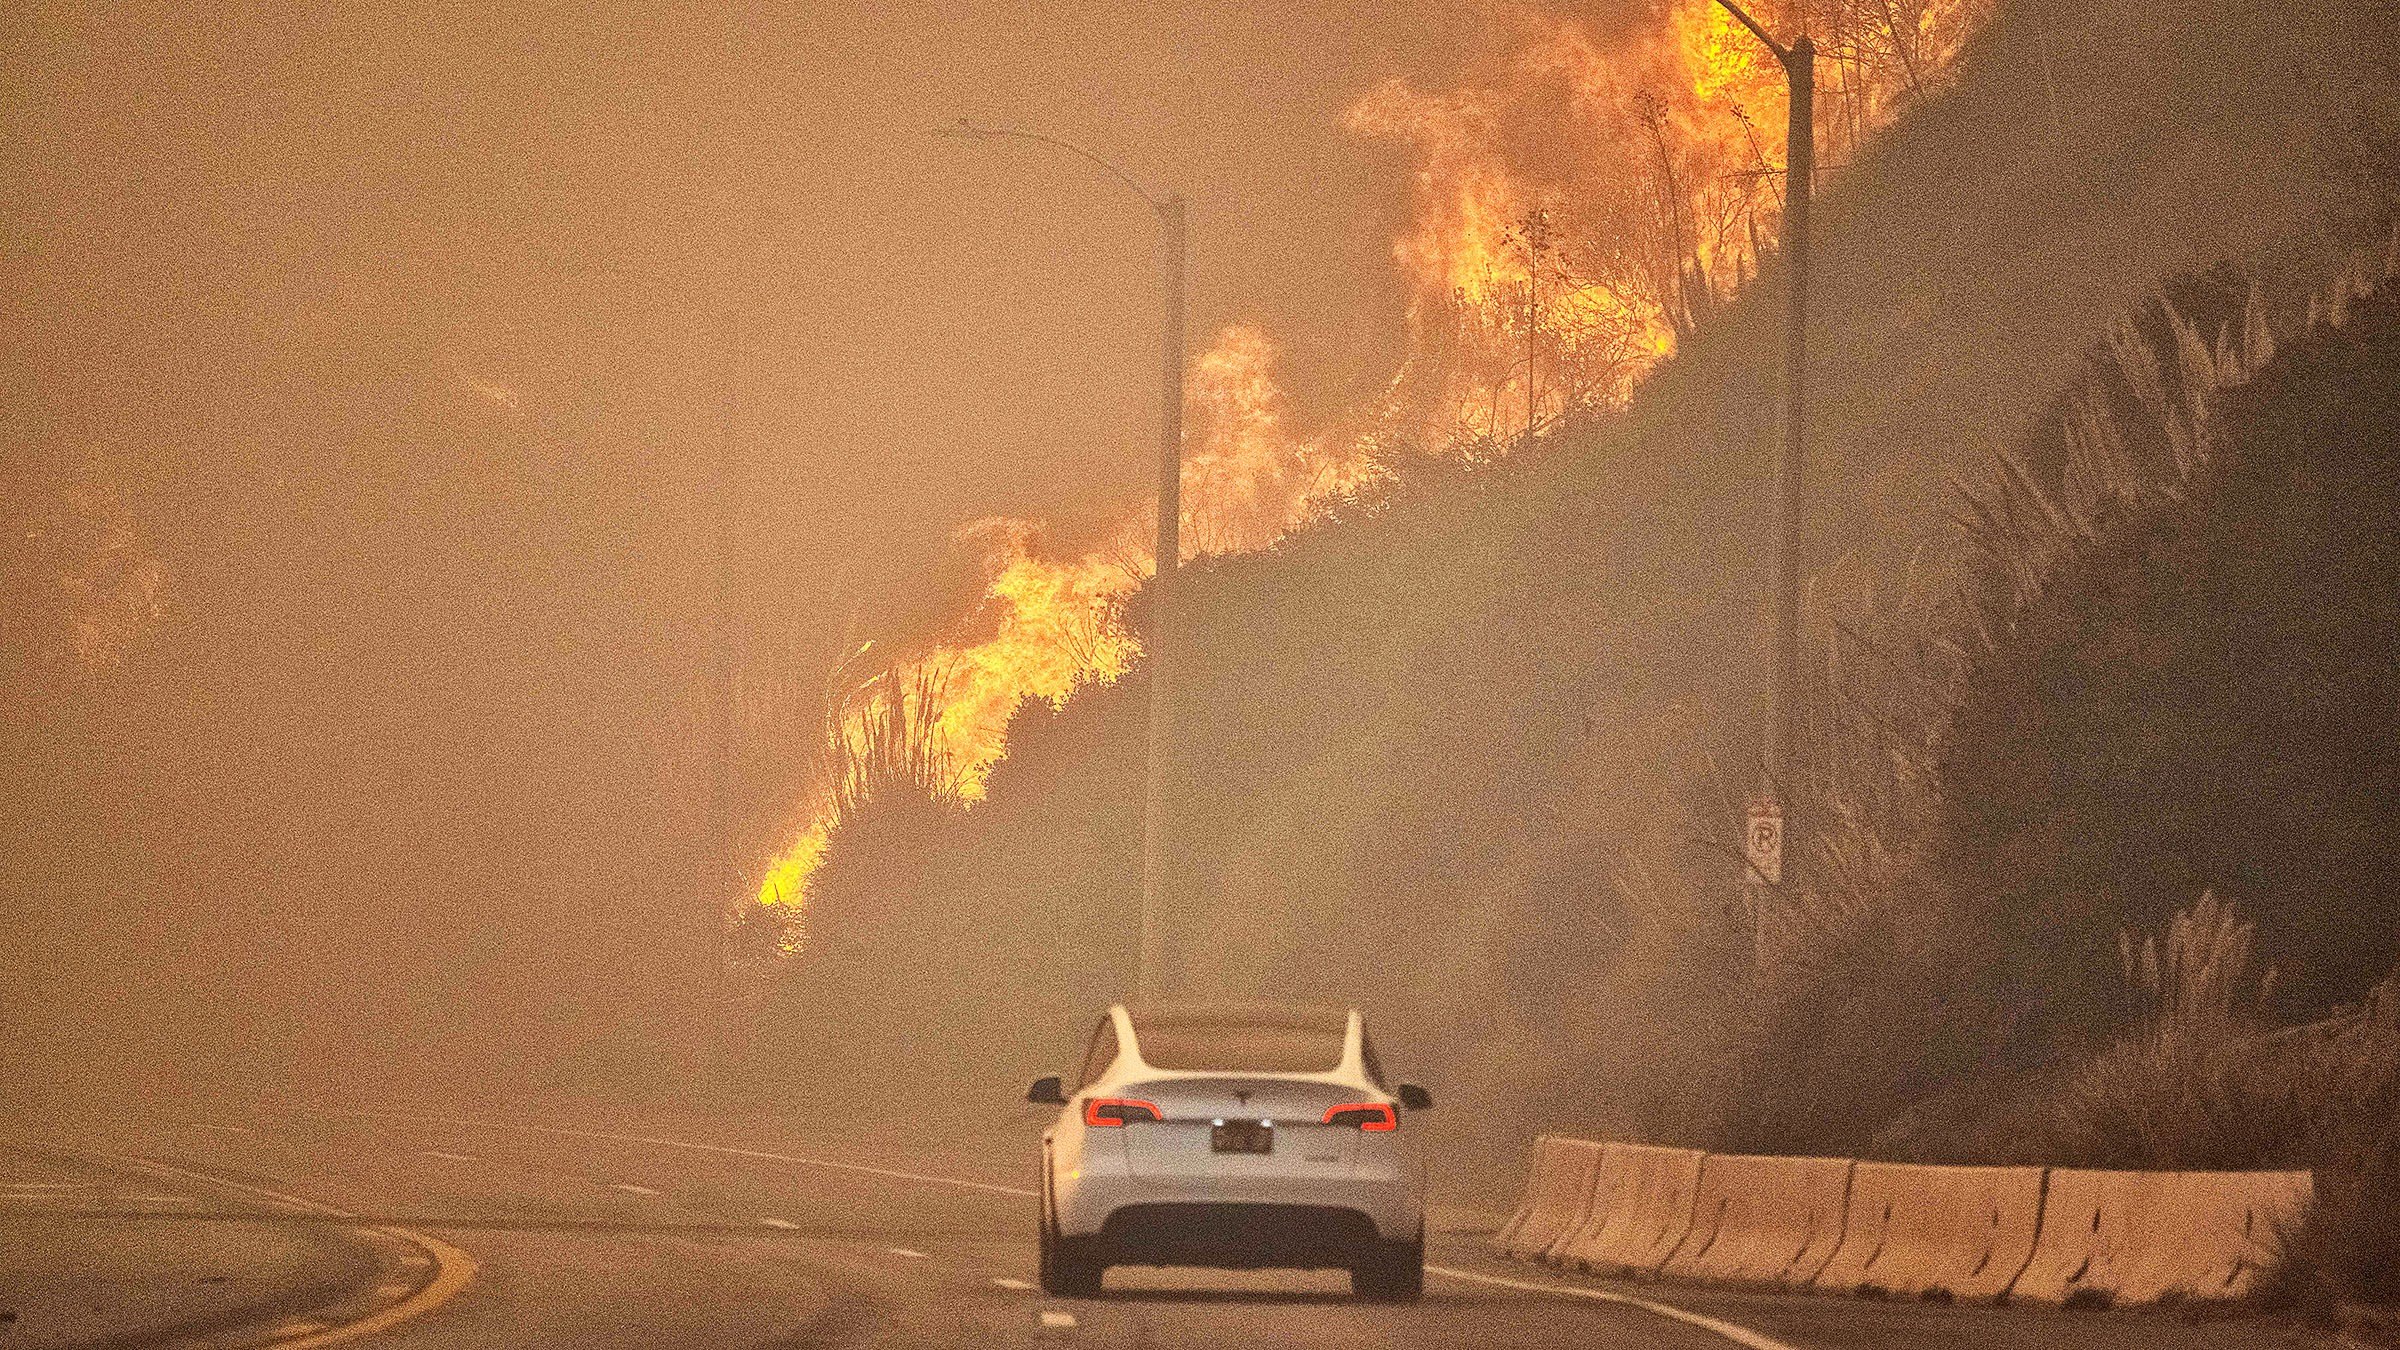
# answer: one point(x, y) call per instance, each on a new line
point(1066, 1265)
point(1393, 1273)
point(1072, 1272)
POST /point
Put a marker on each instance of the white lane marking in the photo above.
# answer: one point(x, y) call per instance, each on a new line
point(724, 1150)
point(779, 1223)
point(385, 1293)
point(158, 1199)
point(630, 1189)
point(156, 1168)
point(1742, 1336)
point(46, 1185)
point(1057, 1319)
point(910, 1253)
point(449, 1157)
point(1006, 1283)
point(221, 1129)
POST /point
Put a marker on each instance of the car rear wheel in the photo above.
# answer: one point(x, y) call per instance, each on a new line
point(1072, 1273)
point(1393, 1273)
point(1067, 1267)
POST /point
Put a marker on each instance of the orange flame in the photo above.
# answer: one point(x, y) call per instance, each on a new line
point(1056, 630)
point(1247, 477)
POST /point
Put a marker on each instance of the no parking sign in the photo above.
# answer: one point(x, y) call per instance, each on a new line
point(1762, 841)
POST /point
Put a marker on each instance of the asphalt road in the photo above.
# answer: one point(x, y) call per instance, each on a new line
point(296, 1227)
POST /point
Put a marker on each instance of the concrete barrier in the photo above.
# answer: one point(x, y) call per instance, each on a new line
point(2139, 1237)
point(1945, 1232)
point(1607, 1184)
point(1759, 1220)
point(1968, 1233)
point(1558, 1196)
point(1534, 1163)
point(1640, 1213)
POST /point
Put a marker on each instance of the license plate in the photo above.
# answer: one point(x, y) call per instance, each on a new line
point(1241, 1136)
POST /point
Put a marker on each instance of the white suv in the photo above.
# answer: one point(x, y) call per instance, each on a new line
point(1233, 1135)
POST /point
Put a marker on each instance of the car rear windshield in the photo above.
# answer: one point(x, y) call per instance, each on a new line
point(1169, 1042)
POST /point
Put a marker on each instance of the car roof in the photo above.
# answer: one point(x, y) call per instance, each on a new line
point(1297, 1016)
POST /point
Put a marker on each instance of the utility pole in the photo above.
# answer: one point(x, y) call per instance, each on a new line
point(1800, 162)
point(1151, 979)
point(721, 877)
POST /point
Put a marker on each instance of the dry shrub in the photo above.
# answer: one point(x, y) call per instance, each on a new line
point(2183, 1089)
point(1839, 995)
point(1861, 991)
point(2347, 1251)
point(2204, 1081)
point(885, 739)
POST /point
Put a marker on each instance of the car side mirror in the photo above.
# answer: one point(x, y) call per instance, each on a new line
point(1414, 1098)
point(1050, 1091)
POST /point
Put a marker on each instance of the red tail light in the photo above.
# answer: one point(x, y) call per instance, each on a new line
point(1116, 1111)
point(1376, 1116)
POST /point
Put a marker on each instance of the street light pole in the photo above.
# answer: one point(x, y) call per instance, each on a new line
point(1800, 163)
point(1150, 978)
point(1150, 981)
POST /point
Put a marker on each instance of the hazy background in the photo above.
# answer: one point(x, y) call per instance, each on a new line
point(400, 343)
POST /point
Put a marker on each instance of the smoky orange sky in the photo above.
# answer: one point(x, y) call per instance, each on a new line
point(566, 235)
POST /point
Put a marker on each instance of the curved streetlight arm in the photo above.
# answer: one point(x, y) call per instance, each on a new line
point(1153, 976)
point(969, 130)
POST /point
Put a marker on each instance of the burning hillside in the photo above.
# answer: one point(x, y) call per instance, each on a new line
point(1577, 210)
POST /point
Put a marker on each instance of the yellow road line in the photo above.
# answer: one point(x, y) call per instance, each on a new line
point(453, 1269)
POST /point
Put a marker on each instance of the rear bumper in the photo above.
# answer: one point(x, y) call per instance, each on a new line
point(1238, 1236)
point(1286, 1217)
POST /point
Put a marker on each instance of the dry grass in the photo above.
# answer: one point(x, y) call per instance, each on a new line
point(1861, 977)
point(2195, 979)
point(2182, 1088)
point(883, 741)
point(2144, 430)
point(1890, 970)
